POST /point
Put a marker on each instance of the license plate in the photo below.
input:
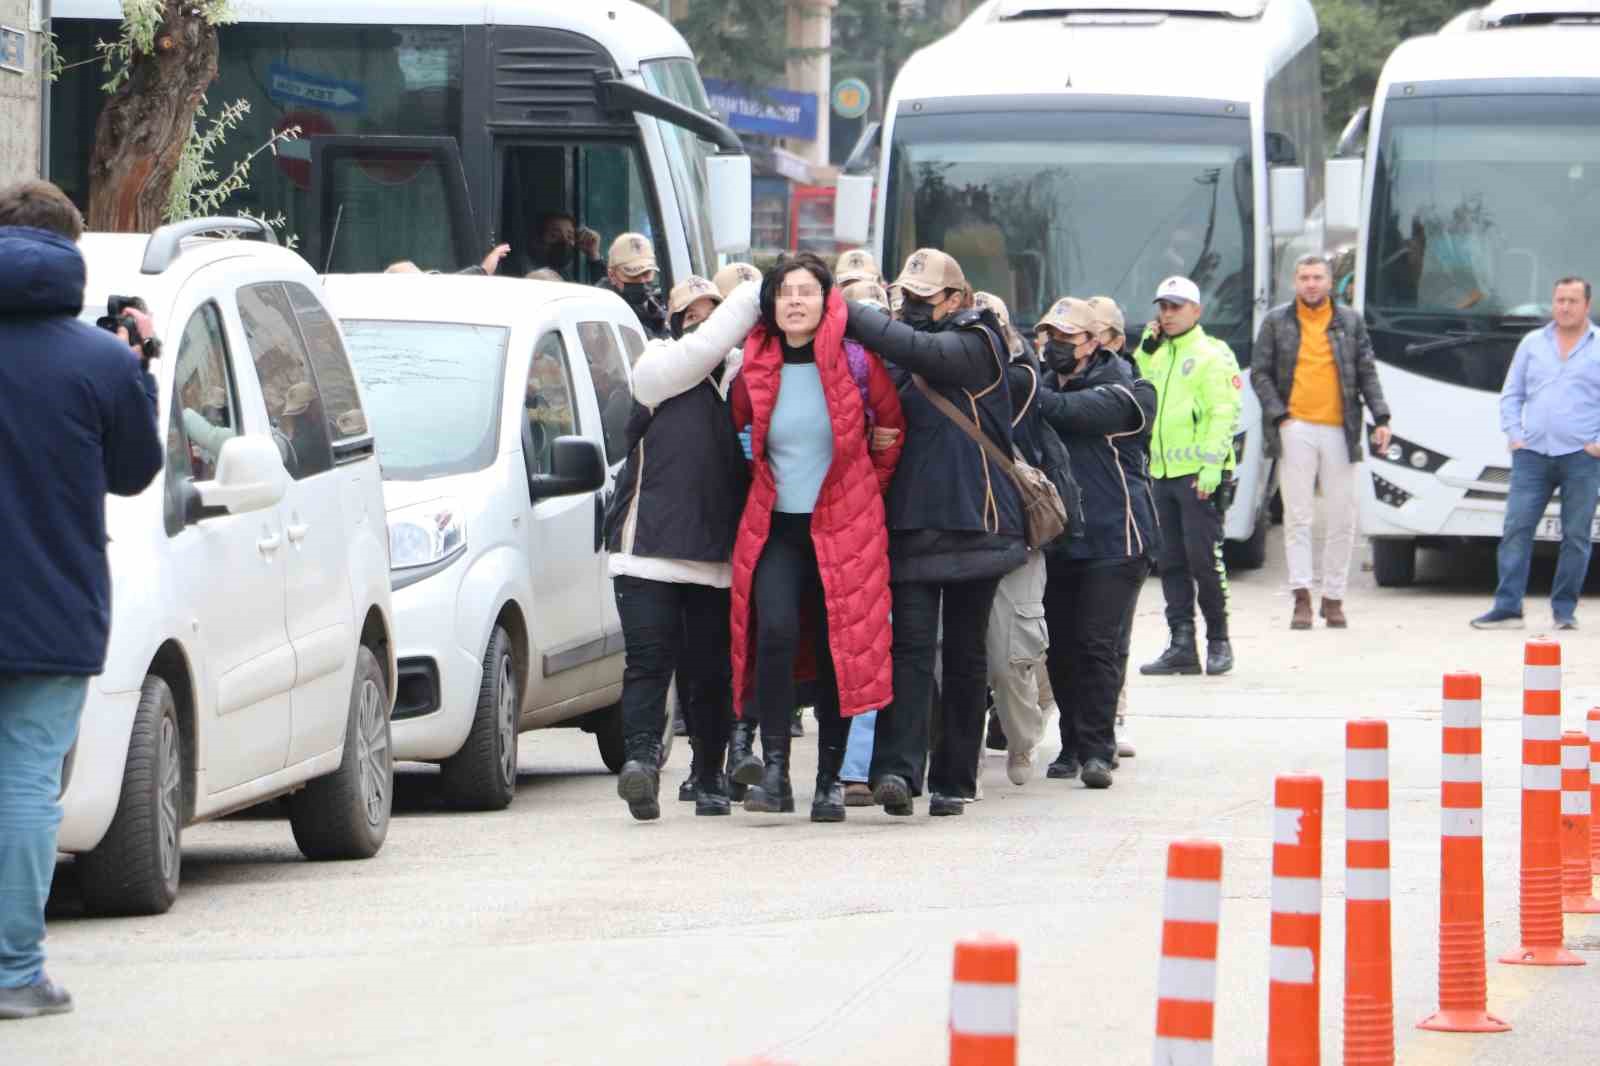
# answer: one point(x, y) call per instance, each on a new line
point(1550, 529)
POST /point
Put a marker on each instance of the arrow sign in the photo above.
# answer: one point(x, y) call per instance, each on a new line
point(299, 89)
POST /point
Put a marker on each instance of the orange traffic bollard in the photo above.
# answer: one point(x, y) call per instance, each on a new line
point(1368, 967)
point(1463, 984)
point(1577, 876)
point(1541, 811)
point(1594, 788)
point(1293, 1016)
point(983, 1003)
point(1187, 980)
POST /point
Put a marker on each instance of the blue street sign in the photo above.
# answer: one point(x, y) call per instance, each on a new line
point(774, 112)
point(299, 89)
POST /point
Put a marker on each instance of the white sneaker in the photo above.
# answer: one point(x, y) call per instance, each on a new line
point(1019, 766)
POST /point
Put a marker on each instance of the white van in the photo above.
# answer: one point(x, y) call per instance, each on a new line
point(501, 409)
point(250, 652)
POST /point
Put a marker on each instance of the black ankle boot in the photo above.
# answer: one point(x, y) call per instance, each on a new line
point(1181, 656)
point(827, 802)
point(711, 795)
point(744, 767)
point(640, 780)
point(772, 794)
point(688, 790)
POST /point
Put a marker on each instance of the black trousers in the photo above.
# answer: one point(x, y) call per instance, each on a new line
point(787, 593)
point(1086, 606)
point(900, 742)
point(1191, 556)
point(670, 627)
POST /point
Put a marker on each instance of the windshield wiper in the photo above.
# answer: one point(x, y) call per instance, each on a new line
point(1448, 340)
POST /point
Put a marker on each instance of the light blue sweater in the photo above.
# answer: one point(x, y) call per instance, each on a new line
point(800, 438)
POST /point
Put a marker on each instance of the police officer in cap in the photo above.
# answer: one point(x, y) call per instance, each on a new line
point(631, 273)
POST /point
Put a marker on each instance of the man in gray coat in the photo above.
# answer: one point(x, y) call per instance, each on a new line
point(1313, 369)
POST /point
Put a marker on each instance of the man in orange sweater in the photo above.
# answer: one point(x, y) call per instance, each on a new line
point(1312, 370)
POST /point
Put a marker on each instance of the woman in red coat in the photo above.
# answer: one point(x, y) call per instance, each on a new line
point(812, 545)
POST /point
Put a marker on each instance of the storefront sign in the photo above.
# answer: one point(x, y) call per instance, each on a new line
point(851, 98)
point(774, 112)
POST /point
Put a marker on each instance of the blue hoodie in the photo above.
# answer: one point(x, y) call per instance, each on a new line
point(77, 419)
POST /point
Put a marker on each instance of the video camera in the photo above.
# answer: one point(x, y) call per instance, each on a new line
point(116, 317)
point(1227, 489)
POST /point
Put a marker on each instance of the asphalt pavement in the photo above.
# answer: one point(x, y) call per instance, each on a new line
point(562, 932)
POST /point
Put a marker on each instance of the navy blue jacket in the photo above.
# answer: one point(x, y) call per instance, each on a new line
point(77, 419)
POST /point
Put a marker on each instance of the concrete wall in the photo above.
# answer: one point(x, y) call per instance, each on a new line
point(19, 100)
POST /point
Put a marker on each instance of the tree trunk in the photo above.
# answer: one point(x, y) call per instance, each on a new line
point(145, 123)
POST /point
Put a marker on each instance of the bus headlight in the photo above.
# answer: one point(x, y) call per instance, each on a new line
point(1389, 493)
point(1402, 452)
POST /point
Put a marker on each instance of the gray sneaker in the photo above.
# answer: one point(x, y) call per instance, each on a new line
point(1497, 619)
point(1566, 623)
point(42, 997)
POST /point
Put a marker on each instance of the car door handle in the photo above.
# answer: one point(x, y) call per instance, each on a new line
point(269, 544)
point(599, 521)
point(297, 533)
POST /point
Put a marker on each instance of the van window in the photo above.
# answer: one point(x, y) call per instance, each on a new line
point(297, 411)
point(611, 387)
point(205, 408)
point(335, 380)
point(551, 409)
point(634, 342)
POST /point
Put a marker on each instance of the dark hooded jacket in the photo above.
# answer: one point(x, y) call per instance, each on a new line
point(77, 420)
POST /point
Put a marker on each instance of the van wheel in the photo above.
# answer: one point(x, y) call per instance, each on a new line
point(1394, 562)
point(345, 814)
point(482, 776)
point(134, 869)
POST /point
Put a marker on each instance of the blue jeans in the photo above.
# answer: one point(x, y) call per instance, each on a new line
point(1534, 477)
point(858, 750)
point(38, 723)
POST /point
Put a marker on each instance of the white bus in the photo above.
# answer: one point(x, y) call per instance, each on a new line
point(433, 129)
point(1058, 147)
point(1481, 188)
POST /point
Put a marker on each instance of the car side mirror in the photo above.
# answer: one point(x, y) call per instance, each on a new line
point(250, 477)
point(728, 189)
point(1287, 188)
point(852, 209)
point(576, 466)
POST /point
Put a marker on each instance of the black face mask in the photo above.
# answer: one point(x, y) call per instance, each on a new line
point(557, 254)
point(918, 314)
point(1059, 356)
point(640, 296)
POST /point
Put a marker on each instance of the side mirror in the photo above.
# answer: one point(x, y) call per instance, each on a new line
point(250, 477)
point(728, 189)
point(576, 466)
point(1353, 138)
point(852, 209)
point(1343, 204)
point(1287, 189)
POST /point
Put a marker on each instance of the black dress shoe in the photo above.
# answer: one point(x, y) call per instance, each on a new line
point(940, 806)
point(1096, 774)
point(1065, 768)
point(893, 794)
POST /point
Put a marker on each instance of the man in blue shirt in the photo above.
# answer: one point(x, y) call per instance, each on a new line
point(1550, 414)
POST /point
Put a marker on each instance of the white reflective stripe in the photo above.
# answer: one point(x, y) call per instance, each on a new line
point(1541, 727)
point(1366, 764)
point(1541, 678)
point(1363, 824)
point(1458, 822)
point(1594, 729)
point(1575, 802)
point(1366, 886)
point(1594, 773)
point(1189, 900)
point(1462, 769)
point(1541, 778)
point(983, 1010)
point(1574, 758)
point(1292, 966)
point(1463, 714)
point(1296, 895)
point(1194, 980)
point(1286, 825)
point(1174, 1051)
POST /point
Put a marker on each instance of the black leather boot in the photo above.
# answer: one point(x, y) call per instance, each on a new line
point(711, 785)
point(640, 780)
point(744, 767)
point(773, 794)
point(1181, 656)
point(687, 791)
point(1219, 657)
point(827, 802)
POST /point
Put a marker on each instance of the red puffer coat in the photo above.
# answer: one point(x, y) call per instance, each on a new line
point(847, 524)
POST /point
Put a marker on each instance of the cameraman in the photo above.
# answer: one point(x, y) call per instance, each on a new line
point(77, 420)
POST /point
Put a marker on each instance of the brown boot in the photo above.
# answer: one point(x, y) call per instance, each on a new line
point(1302, 609)
point(1333, 613)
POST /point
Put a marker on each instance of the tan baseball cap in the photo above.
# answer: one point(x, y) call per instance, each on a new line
point(632, 254)
point(688, 291)
point(928, 272)
point(867, 292)
point(856, 265)
point(988, 301)
point(1069, 315)
point(1107, 315)
point(298, 398)
point(733, 275)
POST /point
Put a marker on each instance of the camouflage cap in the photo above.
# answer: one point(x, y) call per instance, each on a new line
point(688, 291)
point(868, 292)
point(733, 275)
point(1107, 315)
point(631, 254)
point(1069, 315)
point(856, 265)
point(988, 301)
point(928, 272)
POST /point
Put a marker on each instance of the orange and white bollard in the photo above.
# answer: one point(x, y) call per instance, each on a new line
point(1577, 876)
point(1594, 788)
point(1541, 811)
point(1293, 1015)
point(1368, 966)
point(1187, 980)
point(983, 1003)
point(1463, 983)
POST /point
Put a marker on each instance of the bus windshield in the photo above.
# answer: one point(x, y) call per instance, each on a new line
point(679, 81)
point(1037, 205)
